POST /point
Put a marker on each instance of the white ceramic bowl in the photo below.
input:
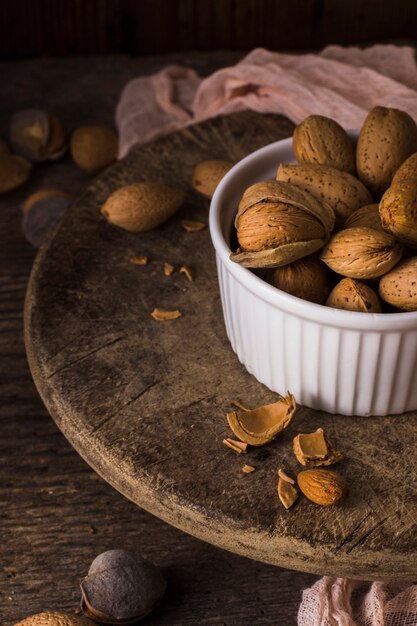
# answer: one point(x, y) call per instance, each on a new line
point(338, 361)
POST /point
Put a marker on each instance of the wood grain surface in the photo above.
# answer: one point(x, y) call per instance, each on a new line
point(56, 513)
point(144, 403)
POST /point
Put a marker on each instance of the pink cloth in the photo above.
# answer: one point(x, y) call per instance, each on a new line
point(344, 602)
point(342, 83)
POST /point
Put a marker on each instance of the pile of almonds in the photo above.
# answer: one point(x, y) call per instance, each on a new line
point(340, 226)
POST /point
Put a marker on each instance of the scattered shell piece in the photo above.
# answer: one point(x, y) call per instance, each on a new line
point(139, 260)
point(285, 476)
point(261, 425)
point(287, 493)
point(54, 618)
point(162, 315)
point(121, 588)
point(237, 446)
point(315, 449)
point(192, 226)
point(248, 469)
point(168, 269)
point(240, 406)
point(187, 272)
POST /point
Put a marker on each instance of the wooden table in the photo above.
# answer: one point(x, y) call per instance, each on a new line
point(56, 513)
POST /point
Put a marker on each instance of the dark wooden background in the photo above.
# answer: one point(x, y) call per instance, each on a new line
point(32, 28)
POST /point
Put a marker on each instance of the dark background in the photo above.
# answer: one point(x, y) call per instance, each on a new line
point(32, 28)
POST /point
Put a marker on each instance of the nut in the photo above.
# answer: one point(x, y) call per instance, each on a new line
point(41, 194)
point(93, 148)
point(14, 172)
point(387, 138)
point(142, 206)
point(352, 295)
point(398, 212)
point(407, 171)
point(361, 252)
point(399, 286)
point(342, 191)
point(120, 587)
point(322, 486)
point(323, 141)
point(54, 618)
point(259, 426)
point(367, 215)
point(42, 216)
point(208, 174)
point(305, 278)
point(277, 223)
point(36, 135)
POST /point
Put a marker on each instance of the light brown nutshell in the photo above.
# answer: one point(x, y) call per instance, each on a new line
point(361, 252)
point(367, 215)
point(399, 286)
point(321, 140)
point(342, 191)
point(93, 148)
point(353, 295)
point(55, 618)
point(208, 174)
point(398, 212)
point(387, 138)
point(305, 278)
point(142, 206)
point(287, 493)
point(315, 449)
point(407, 171)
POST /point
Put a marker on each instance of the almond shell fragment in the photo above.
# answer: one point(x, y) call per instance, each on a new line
point(260, 426)
point(315, 449)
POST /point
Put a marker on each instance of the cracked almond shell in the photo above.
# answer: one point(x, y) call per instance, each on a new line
point(259, 426)
point(321, 140)
point(399, 286)
point(36, 135)
point(340, 190)
point(361, 252)
point(315, 449)
point(387, 138)
point(277, 223)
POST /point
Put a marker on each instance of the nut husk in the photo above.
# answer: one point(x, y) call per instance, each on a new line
point(342, 191)
point(387, 138)
point(315, 449)
point(14, 172)
point(121, 588)
point(398, 212)
point(367, 215)
point(399, 286)
point(321, 140)
point(305, 278)
point(93, 147)
point(322, 487)
point(259, 426)
point(277, 223)
point(142, 206)
point(353, 295)
point(55, 618)
point(208, 174)
point(361, 252)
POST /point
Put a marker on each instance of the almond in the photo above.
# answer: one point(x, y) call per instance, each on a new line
point(142, 206)
point(367, 215)
point(208, 174)
point(387, 138)
point(398, 211)
point(342, 191)
point(305, 278)
point(407, 171)
point(322, 486)
point(353, 295)
point(321, 140)
point(361, 252)
point(93, 148)
point(14, 172)
point(399, 286)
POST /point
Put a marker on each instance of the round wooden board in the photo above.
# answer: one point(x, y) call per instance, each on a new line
point(144, 402)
